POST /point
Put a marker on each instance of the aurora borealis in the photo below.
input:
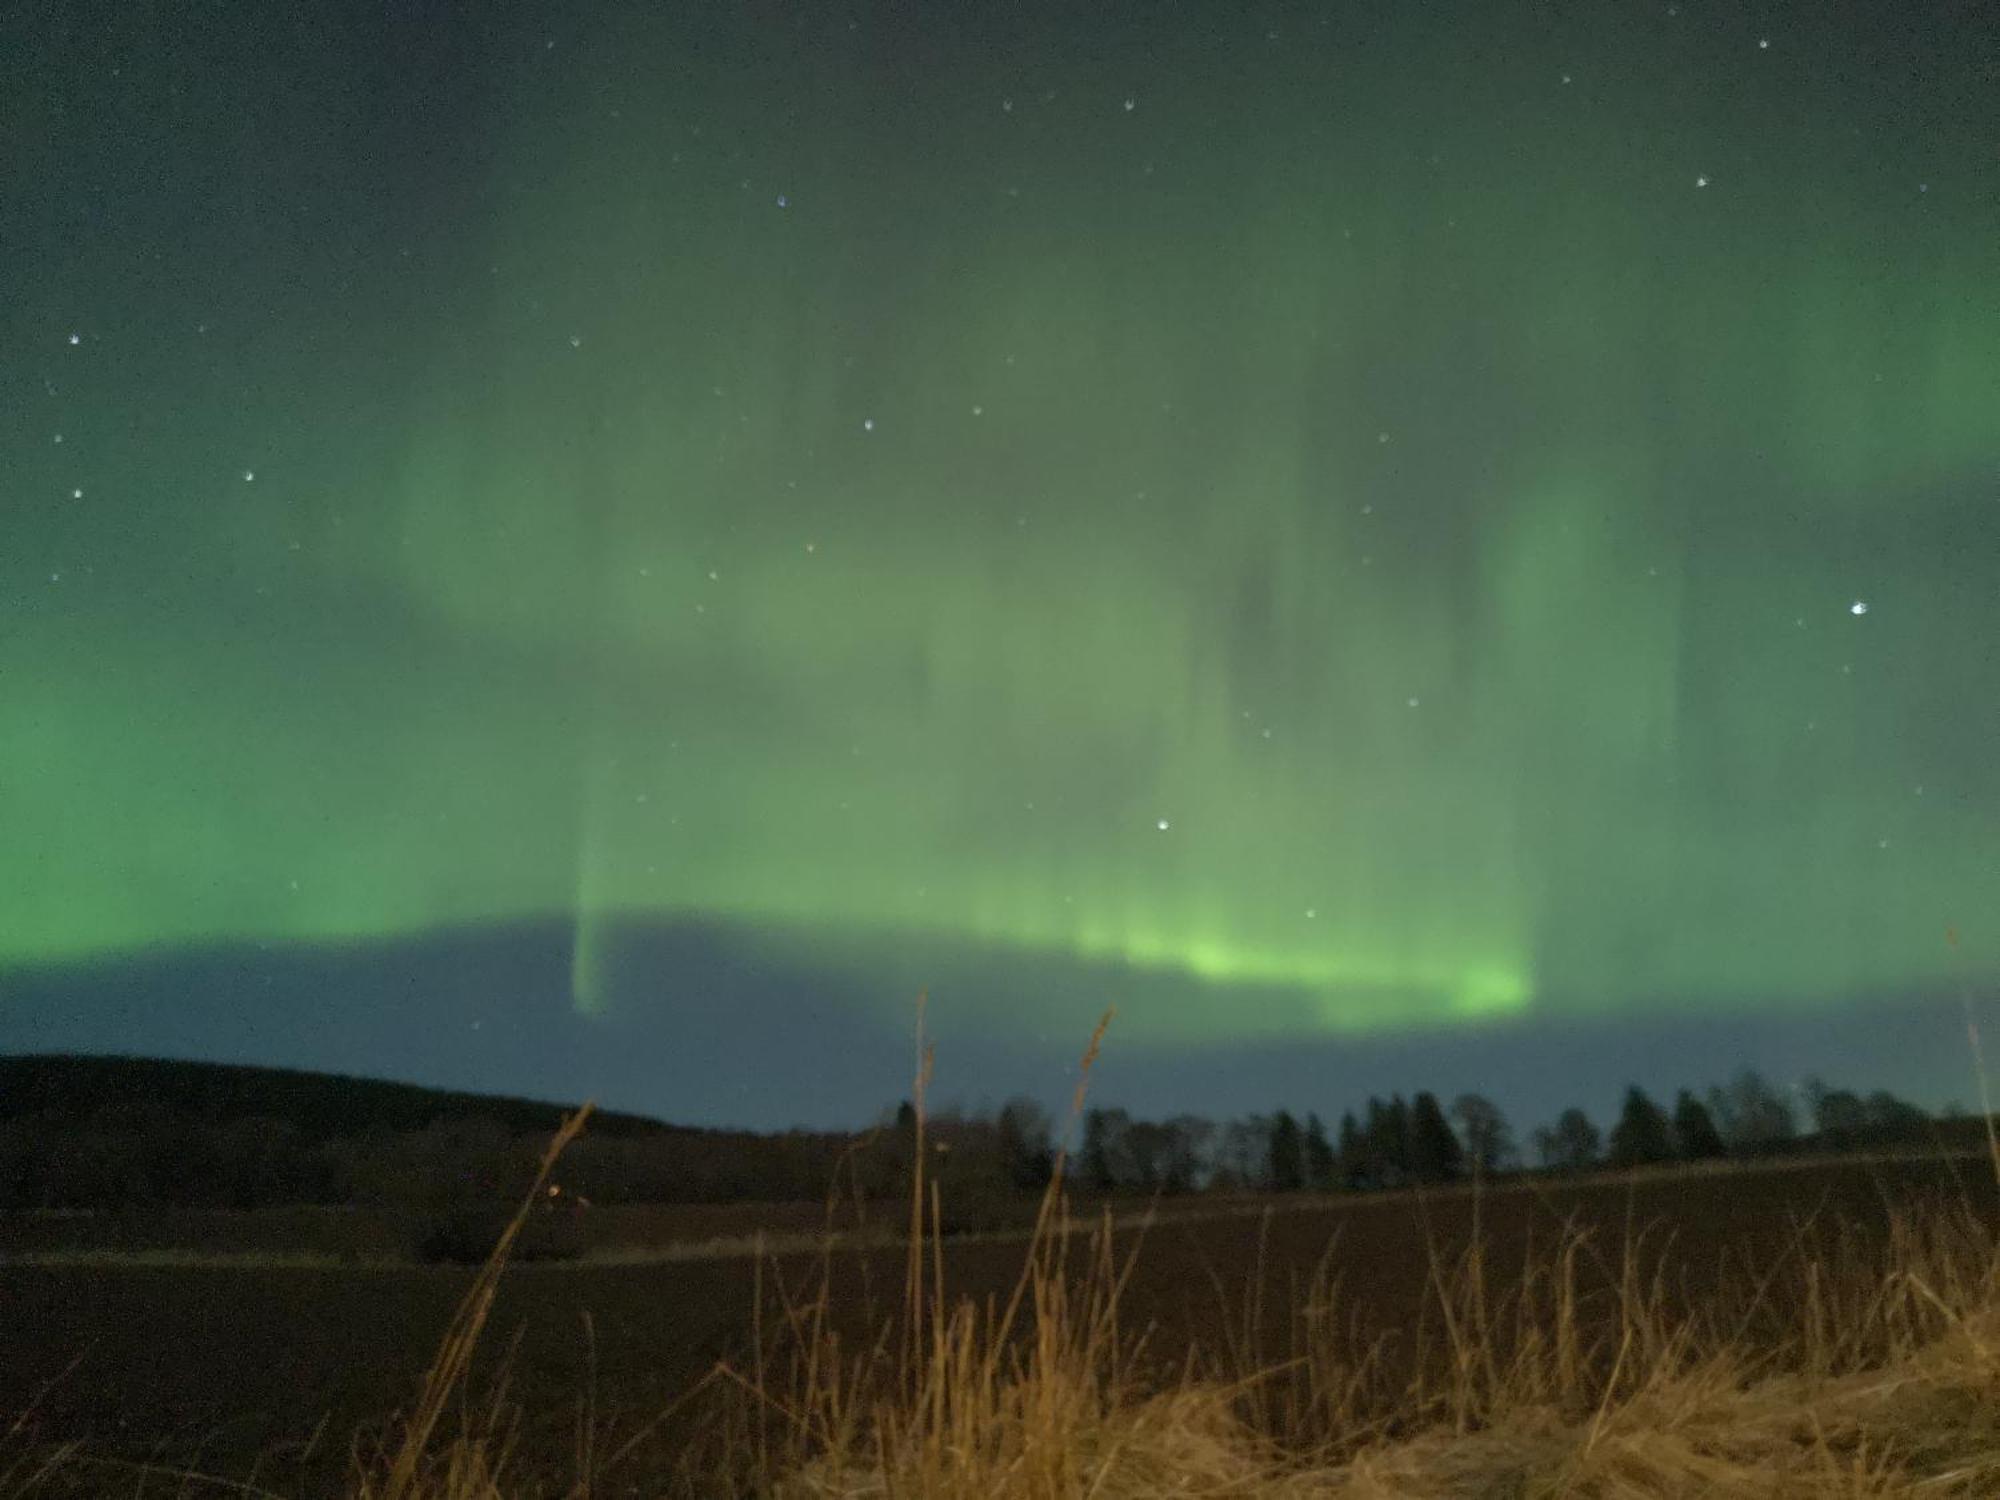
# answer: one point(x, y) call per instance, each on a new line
point(1366, 518)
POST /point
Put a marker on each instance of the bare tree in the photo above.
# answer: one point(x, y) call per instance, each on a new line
point(1751, 1114)
point(1489, 1144)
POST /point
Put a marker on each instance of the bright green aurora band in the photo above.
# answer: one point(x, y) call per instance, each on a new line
point(1369, 517)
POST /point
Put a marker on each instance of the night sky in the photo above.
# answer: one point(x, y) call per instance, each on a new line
point(600, 548)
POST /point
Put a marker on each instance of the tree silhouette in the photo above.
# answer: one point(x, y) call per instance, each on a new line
point(1695, 1135)
point(1642, 1136)
point(1488, 1141)
point(1751, 1114)
point(1186, 1150)
point(1243, 1158)
point(1571, 1144)
point(1026, 1143)
point(1319, 1155)
point(1890, 1117)
point(1397, 1139)
point(1148, 1147)
point(1098, 1128)
point(1287, 1157)
point(1435, 1155)
point(1839, 1115)
point(1352, 1153)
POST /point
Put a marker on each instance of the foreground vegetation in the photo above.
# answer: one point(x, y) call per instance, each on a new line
point(1856, 1360)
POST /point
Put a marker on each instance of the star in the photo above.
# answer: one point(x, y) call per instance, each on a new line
point(1162, 825)
point(1858, 607)
point(1702, 180)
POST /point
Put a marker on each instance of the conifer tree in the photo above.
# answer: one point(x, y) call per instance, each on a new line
point(1641, 1137)
point(1434, 1152)
point(1287, 1168)
point(1319, 1155)
point(1695, 1135)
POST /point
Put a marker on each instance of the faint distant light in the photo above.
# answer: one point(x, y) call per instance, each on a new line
point(783, 201)
point(1162, 825)
point(249, 476)
point(867, 424)
point(76, 494)
point(1413, 702)
point(1702, 180)
point(1130, 105)
point(76, 338)
point(1763, 44)
point(1858, 607)
point(576, 341)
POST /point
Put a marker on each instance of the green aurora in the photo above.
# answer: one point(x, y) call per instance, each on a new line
point(1365, 513)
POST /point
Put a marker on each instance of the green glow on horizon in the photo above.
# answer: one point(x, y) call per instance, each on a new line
point(1431, 504)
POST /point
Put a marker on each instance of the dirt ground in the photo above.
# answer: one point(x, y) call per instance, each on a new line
point(234, 1370)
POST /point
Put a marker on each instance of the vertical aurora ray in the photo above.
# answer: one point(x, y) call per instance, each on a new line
point(856, 484)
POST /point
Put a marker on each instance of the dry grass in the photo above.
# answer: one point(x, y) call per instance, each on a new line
point(1854, 1364)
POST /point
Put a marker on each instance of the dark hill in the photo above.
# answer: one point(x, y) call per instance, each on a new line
point(320, 1106)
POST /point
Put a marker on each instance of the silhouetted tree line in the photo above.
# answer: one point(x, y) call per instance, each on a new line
point(184, 1148)
point(1398, 1142)
point(1748, 1117)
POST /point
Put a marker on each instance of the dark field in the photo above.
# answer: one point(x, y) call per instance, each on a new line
point(232, 1369)
point(348, 1234)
